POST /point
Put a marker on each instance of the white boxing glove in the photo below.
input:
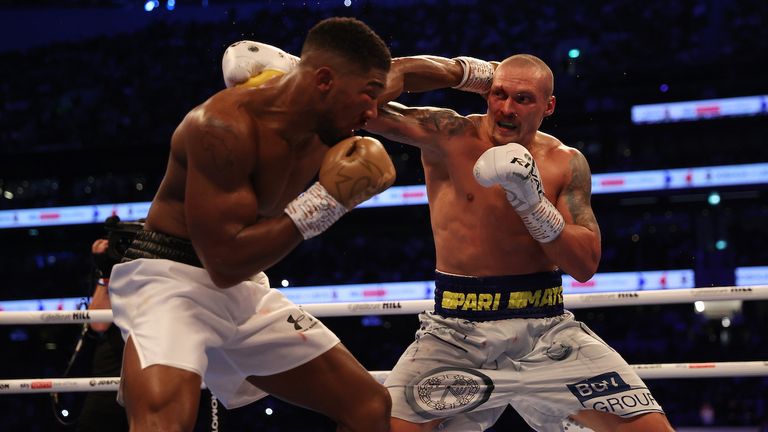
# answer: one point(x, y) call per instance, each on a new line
point(478, 75)
point(246, 60)
point(512, 167)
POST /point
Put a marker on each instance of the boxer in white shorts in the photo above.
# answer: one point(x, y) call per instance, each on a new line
point(238, 196)
point(223, 335)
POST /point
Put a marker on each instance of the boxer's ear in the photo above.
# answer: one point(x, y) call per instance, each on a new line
point(324, 78)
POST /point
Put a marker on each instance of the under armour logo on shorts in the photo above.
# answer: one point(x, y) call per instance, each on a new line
point(297, 322)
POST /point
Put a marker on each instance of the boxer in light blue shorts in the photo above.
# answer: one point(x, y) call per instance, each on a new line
point(494, 341)
point(504, 199)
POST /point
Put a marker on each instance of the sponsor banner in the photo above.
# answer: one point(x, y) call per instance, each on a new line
point(398, 196)
point(419, 290)
point(619, 182)
point(65, 316)
point(699, 109)
point(680, 178)
point(41, 385)
point(71, 215)
point(54, 385)
point(374, 306)
point(752, 275)
point(725, 292)
point(631, 281)
point(72, 303)
point(101, 382)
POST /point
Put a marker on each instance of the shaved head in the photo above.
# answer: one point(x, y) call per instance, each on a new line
point(526, 61)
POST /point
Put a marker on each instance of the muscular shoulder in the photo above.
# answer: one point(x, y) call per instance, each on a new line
point(220, 114)
point(569, 163)
point(222, 110)
point(556, 149)
point(216, 131)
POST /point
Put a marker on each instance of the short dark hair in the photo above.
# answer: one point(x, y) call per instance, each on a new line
point(351, 39)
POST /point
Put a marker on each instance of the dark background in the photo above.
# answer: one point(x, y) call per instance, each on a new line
point(90, 92)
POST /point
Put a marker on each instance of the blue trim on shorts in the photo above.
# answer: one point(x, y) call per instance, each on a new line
point(488, 298)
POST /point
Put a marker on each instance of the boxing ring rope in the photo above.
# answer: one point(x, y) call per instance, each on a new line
point(405, 307)
point(572, 301)
point(646, 371)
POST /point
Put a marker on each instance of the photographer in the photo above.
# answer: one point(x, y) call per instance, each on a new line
point(100, 410)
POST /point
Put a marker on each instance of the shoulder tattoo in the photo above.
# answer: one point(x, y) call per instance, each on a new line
point(578, 192)
point(216, 145)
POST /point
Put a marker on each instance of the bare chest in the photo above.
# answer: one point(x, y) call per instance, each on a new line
point(282, 173)
point(450, 176)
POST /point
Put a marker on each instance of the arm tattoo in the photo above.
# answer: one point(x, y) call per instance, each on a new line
point(578, 193)
point(393, 113)
point(441, 120)
point(436, 120)
point(219, 150)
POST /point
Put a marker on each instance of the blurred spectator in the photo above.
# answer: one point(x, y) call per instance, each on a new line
point(100, 410)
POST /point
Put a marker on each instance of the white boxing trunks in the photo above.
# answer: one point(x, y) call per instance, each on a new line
point(547, 368)
point(177, 317)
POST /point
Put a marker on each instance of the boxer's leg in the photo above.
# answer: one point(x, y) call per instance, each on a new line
point(158, 397)
point(336, 385)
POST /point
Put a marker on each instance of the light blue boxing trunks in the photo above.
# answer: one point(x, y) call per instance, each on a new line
point(494, 341)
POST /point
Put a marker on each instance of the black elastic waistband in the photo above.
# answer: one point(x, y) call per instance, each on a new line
point(535, 295)
point(156, 245)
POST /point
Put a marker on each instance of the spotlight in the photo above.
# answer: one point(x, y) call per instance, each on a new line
point(713, 198)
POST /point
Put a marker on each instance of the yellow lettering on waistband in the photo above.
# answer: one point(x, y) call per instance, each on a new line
point(484, 301)
point(491, 301)
point(448, 301)
point(521, 299)
point(547, 298)
point(537, 298)
point(470, 302)
point(452, 300)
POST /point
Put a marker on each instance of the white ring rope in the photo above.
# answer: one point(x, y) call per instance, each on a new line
point(646, 371)
point(572, 301)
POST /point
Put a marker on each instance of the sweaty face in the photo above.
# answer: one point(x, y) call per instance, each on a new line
point(517, 104)
point(352, 101)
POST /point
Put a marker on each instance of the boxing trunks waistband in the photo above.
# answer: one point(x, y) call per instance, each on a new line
point(488, 298)
point(156, 245)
